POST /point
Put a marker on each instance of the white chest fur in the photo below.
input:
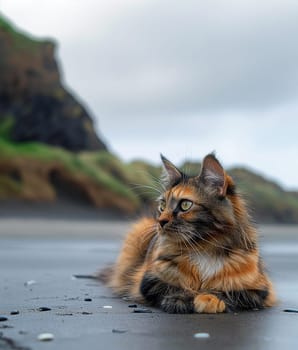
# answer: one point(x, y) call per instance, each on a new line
point(208, 266)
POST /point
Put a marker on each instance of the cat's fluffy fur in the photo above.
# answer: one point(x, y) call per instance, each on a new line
point(203, 259)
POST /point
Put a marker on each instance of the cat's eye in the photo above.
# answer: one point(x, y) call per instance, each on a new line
point(162, 206)
point(185, 205)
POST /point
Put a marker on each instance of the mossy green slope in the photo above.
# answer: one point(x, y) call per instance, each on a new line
point(84, 163)
point(137, 182)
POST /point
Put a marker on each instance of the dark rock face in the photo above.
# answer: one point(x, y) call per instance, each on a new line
point(32, 95)
point(57, 122)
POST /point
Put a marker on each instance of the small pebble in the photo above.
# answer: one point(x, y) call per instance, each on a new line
point(87, 299)
point(132, 305)
point(44, 308)
point(85, 276)
point(201, 335)
point(107, 307)
point(14, 312)
point(5, 326)
point(29, 283)
point(3, 319)
point(119, 330)
point(45, 337)
point(291, 310)
point(139, 310)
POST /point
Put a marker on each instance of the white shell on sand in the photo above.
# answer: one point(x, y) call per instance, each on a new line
point(30, 283)
point(201, 335)
point(45, 337)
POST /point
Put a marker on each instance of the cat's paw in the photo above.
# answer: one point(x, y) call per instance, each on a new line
point(209, 304)
point(177, 304)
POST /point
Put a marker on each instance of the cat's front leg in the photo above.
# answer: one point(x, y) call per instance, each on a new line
point(209, 304)
point(246, 299)
point(169, 298)
point(173, 299)
point(178, 303)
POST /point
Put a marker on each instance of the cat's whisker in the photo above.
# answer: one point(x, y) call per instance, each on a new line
point(158, 182)
point(141, 186)
point(190, 235)
point(188, 240)
point(194, 245)
point(216, 245)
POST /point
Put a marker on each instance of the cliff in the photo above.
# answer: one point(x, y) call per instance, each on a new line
point(34, 104)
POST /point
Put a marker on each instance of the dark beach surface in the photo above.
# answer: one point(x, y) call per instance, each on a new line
point(41, 251)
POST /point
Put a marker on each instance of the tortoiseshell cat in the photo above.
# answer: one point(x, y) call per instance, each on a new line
point(199, 254)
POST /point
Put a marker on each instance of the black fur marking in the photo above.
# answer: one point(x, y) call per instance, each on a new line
point(175, 183)
point(207, 225)
point(244, 299)
point(183, 180)
point(153, 289)
point(176, 211)
point(179, 303)
point(231, 190)
point(168, 258)
point(250, 245)
point(169, 298)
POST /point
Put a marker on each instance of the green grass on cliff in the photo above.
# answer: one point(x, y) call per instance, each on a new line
point(139, 176)
point(138, 181)
point(266, 198)
point(6, 126)
point(8, 186)
point(4, 24)
point(79, 163)
point(21, 41)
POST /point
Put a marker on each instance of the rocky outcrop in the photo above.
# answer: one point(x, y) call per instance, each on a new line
point(33, 98)
point(36, 181)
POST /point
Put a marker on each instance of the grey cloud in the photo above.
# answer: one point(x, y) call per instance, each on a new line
point(189, 57)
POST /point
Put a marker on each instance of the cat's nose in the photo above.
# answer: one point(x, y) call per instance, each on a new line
point(163, 222)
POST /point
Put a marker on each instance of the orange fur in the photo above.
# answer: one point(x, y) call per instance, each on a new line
point(208, 303)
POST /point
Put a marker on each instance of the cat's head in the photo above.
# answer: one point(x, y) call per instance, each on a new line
point(201, 208)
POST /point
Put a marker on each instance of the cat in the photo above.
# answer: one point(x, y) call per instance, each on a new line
point(199, 254)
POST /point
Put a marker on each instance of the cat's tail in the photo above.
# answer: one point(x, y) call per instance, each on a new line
point(105, 275)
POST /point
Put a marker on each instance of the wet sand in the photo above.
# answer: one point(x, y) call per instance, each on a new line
point(50, 252)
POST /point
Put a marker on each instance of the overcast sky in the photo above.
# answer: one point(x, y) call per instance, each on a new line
point(181, 77)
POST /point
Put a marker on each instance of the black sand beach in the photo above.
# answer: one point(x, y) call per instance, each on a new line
point(40, 256)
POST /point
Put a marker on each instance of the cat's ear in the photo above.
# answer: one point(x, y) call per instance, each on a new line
point(213, 175)
point(170, 174)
